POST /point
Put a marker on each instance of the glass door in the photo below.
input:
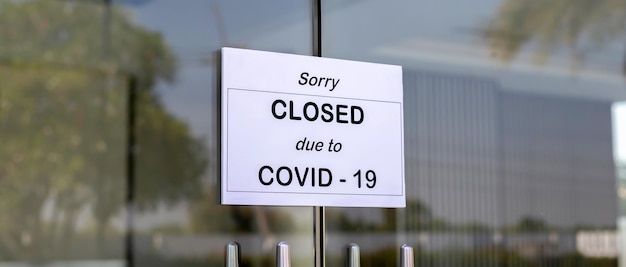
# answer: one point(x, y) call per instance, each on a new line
point(509, 152)
point(63, 137)
point(109, 132)
point(109, 129)
point(179, 220)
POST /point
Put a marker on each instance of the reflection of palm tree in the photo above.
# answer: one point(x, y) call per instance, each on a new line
point(577, 26)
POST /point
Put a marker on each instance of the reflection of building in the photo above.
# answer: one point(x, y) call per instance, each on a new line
point(492, 167)
point(593, 244)
point(478, 153)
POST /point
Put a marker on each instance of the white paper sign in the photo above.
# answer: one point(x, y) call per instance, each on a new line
point(310, 131)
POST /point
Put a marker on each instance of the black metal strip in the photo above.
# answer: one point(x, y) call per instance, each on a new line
point(130, 170)
point(317, 28)
point(319, 213)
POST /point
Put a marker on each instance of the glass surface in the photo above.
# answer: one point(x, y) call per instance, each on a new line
point(515, 131)
point(509, 130)
point(63, 136)
point(179, 219)
point(67, 70)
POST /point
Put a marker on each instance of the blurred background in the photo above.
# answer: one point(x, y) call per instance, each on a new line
point(515, 131)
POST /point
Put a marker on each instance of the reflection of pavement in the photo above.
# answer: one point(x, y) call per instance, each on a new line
point(171, 246)
point(301, 245)
point(527, 245)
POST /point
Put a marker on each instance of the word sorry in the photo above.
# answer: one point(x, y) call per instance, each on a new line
point(315, 81)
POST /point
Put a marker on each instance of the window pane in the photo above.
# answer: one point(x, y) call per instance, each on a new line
point(508, 130)
point(179, 220)
point(63, 117)
point(67, 70)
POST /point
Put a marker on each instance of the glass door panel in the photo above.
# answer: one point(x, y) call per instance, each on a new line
point(69, 193)
point(63, 138)
point(179, 219)
point(508, 130)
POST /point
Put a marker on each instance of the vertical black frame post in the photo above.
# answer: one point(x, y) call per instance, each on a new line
point(319, 212)
point(130, 169)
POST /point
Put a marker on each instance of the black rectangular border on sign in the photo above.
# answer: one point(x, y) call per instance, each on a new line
point(309, 193)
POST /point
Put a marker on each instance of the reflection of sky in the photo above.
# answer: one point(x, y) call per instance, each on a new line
point(443, 36)
point(190, 95)
point(432, 35)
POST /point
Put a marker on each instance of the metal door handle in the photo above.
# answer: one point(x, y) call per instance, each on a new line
point(282, 254)
point(353, 257)
point(406, 256)
point(232, 254)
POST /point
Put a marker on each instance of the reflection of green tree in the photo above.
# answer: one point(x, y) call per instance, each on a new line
point(531, 225)
point(63, 117)
point(579, 26)
point(239, 219)
point(418, 217)
point(477, 257)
